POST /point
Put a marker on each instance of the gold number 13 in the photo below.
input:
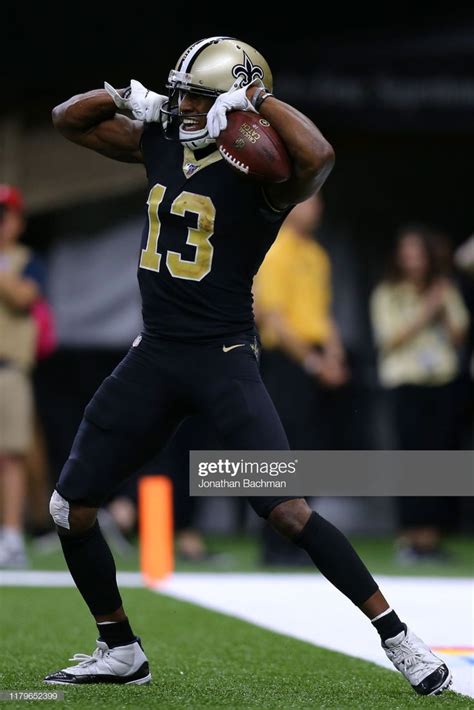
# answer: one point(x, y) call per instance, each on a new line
point(198, 236)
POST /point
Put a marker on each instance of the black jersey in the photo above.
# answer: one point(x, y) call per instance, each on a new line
point(206, 233)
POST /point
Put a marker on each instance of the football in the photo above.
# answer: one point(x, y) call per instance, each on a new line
point(251, 146)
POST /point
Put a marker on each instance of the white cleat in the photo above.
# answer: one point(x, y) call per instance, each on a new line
point(127, 665)
point(426, 673)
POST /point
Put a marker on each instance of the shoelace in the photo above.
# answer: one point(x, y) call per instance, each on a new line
point(85, 659)
point(407, 656)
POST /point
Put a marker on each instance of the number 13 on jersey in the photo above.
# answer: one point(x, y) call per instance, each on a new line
point(198, 237)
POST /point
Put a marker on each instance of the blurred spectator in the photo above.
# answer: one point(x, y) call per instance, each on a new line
point(21, 285)
point(457, 267)
point(303, 359)
point(420, 321)
point(464, 256)
point(464, 263)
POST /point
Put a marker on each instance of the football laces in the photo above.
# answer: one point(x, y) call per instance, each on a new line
point(233, 161)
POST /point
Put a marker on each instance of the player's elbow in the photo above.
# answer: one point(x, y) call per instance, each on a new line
point(57, 116)
point(61, 120)
point(323, 158)
point(329, 155)
point(318, 161)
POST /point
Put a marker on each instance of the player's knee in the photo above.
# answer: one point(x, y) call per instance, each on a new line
point(290, 517)
point(81, 518)
point(59, 510)
point(70, 518)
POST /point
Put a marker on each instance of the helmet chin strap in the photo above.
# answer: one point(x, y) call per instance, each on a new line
point(195, 139)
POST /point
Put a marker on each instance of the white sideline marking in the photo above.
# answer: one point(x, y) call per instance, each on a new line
point(37, 578)
point(307, 607)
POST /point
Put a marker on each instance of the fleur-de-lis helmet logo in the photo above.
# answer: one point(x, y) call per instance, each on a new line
point(247, 71)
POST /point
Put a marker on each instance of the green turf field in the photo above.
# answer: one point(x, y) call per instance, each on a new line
point(198, 658)
point(241, 554)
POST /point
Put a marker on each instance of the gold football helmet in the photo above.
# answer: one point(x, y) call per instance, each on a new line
point(210, 67)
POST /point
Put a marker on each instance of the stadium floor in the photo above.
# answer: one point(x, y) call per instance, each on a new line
point(439, 610)
point(297, 605)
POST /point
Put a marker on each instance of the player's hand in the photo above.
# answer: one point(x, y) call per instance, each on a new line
point(233, 100)
point(146, 105)
point(143, 103)
point(122, 102)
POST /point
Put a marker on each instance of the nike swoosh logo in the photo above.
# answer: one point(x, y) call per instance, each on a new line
point(231, 347)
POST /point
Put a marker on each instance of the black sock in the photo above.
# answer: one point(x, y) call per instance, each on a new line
point(92, 568)
point(389, 625)
point(117, 633)
point(336, 559)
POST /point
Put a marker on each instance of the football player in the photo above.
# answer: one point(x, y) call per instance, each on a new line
point(205, 235)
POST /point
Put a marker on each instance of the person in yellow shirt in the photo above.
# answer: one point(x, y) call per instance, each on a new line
point(419, 321)
point(303, 360)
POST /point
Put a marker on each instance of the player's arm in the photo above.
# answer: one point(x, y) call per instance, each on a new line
point(91, 120)
point(311, 155)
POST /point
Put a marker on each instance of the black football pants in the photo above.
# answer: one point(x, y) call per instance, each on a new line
point(159, 383)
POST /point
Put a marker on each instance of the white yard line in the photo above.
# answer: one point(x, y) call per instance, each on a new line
point(439, 610)
point(307, 607)
point(38, 578)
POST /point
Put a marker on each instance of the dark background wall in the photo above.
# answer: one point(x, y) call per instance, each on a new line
point(392, 90)
point(55, 50)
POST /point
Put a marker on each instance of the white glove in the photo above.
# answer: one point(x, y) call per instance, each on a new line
point(119, 101)
point(143, 103)
point(146, 105)
point(233, 100)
